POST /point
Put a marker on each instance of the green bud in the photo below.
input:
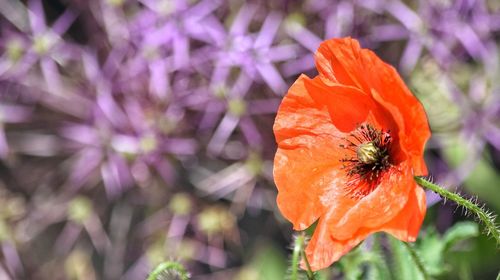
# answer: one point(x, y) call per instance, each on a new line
point(180, 204)
point(148, 143)
point(237, 107)
point(215, 219)
point(14, 49)
point(116, 3)
point(254, 163)
point(43, 43)
point(79, 209)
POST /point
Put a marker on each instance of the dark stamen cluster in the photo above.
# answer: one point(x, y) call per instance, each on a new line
point(370, 150)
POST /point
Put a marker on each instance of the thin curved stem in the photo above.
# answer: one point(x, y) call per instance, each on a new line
point(486, 218)
point(298, 253)
point(310, 274)
point(417, 260)
point(297, 249)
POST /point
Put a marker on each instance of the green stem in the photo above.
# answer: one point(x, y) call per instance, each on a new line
point(417, 260)
point(297, 249)
point(298, 253)
point(310, 274)
point(487, 219)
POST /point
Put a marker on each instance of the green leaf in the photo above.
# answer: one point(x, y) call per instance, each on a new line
point(435, 250)
point(269, 263)
point(483, 179)
point(431, 250)
point(459, 232)
point(403, 267)
point(361, 263)
point(379, 270)
point(351, 265)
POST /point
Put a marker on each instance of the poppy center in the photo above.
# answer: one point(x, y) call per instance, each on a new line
point(368, 153)
point(368, 156)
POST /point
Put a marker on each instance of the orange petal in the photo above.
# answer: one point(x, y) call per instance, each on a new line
point(308, 149)
point(300, 115)
point(303, 176)
point(336, 62)
point(379, 207)
point(343, 61)
point(412, 122)
point(347, 106)
point(323, 250)
point(406, 225)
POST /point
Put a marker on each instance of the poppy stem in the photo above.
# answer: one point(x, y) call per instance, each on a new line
point(298, 253)
point(418, 261)
point(487, 218)
point(297, 249)
point(310, 274)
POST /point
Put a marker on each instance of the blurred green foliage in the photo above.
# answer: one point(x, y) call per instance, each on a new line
point(483, 180)
point(384, 257)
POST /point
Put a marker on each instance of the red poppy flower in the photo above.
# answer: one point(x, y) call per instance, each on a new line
point(350, 142)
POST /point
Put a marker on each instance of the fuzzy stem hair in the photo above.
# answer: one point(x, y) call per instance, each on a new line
point(487, 218)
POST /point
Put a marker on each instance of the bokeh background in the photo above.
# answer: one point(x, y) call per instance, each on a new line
point(133, 132)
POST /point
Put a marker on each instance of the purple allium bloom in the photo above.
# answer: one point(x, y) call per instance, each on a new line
point(124, 149)
point(165, 33)
point(253, 53)
point(230, 103)
point(128, 129)
point(159, 100)
point(38, 46)
point(236, 109)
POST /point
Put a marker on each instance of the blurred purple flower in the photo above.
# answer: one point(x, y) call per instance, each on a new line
point(10, 114)
point(125, 145)
point(254, 54)
point(38, 45)
point(149, 85)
